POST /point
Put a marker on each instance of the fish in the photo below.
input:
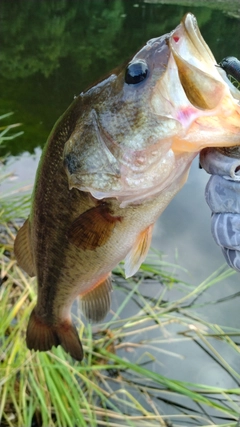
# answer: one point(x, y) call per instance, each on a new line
point(112, 163)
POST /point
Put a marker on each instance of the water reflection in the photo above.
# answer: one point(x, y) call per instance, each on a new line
point(52, 51)
point(229, 7)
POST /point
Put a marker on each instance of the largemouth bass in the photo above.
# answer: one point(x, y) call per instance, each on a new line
point(111, 165)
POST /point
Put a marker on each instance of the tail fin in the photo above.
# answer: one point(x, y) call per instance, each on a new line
point(42, 337)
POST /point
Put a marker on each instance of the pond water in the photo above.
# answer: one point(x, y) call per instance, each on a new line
point(53, 50)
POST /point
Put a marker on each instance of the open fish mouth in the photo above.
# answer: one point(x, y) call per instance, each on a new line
point(135, 141)
point(209, 109)
point(196, 65)
point(193, 86)
point(200, 75)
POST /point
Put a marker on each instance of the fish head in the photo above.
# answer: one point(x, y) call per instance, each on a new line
point(140, 128)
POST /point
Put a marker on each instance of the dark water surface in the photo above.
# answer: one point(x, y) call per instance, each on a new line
point(51, 51)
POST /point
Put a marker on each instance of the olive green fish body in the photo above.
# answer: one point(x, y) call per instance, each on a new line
point(112, 164)
point(64, 269)
point(53, 207)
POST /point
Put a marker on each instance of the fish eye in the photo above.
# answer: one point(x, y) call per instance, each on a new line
point(136, 72)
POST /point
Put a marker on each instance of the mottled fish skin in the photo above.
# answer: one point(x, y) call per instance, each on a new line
point(64, 270)
point(54, 207)
point(111, 165)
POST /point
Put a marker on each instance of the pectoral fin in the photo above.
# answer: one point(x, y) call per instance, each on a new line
point(93, 228)
point(138, 252)
point(96, 303)
point(23, 250)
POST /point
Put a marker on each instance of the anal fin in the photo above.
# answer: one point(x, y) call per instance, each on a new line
point(23, 250)
point(95, 304)
point(138, 252)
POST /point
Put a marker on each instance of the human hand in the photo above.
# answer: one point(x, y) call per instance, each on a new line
point(223, 197)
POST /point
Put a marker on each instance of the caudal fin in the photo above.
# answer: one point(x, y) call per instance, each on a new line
point(42, 337)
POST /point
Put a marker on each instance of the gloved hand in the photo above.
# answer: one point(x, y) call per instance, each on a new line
point(223, 197)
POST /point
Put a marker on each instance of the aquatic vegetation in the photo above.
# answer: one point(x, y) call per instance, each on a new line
point(17, 202)
point(5, 130)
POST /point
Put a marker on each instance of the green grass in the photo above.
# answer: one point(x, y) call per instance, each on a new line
point(18, 201)
point(234, 82)
point(120, 381)
point(124, 379)
point(6, 133)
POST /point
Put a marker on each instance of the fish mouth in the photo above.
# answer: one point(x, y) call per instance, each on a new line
point(193, 35)
point(196, 65)
point(194, 92)
point(193, 108)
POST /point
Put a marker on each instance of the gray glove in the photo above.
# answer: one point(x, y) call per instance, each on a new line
point(223, 197)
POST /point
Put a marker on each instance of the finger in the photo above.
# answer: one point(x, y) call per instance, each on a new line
point(232, 258)
point(223, 195)
point(216, 163)
point(226, 230)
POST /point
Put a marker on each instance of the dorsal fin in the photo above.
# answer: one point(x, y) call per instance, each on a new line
point(93, 228)
point(95, 304)
point(23, 250)
point(138, 252)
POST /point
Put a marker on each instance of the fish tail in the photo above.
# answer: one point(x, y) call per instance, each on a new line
point(42, 336)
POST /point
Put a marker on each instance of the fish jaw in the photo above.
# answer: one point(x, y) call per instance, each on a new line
point(209, 108)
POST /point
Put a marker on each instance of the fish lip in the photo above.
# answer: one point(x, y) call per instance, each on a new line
point(189, 27)
point(195, 63)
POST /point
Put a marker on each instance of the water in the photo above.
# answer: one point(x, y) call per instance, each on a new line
point(51, 51)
